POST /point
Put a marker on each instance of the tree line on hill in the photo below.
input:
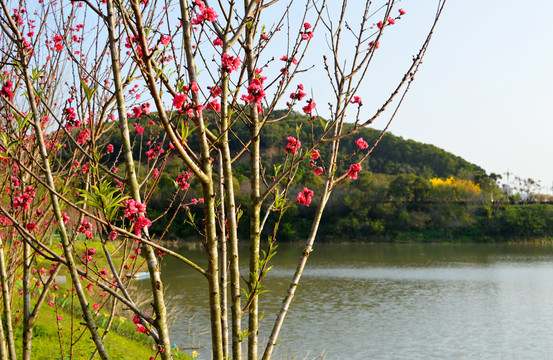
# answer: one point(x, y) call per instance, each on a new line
point(410, 191)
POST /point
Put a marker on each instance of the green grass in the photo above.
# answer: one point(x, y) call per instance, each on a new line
point(69, 337)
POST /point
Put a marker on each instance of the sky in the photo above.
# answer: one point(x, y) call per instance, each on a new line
point(485, 89)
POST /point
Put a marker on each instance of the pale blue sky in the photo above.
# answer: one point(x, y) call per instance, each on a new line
point(485, 89)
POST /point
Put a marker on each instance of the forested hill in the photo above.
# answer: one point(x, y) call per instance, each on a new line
point(393, 155)
point(407, 190)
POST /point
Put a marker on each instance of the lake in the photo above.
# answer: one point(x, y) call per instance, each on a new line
point(392, 301)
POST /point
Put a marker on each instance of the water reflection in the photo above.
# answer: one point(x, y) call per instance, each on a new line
point(395, 302)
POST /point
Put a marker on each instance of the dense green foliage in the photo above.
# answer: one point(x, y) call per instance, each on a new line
point(393, 199)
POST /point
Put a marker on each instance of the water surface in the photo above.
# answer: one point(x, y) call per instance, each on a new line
point(389, 301)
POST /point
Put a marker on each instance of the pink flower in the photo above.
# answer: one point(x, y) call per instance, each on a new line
point(60, 317)
point(132, 208)
point(214, 105)
point(215, 91)
point(305, 196)
point(307, 35)
point(255, 91)
point(165, 40)
point(65, 217)
point(204, 14)
point(140, 223)
point(299, 94)
point(401, 11)
point(7, 90)
point(371, 44)
point(362, 144)
point(307, 26)
point(109, 149)
point(391, 21)
point(179, 100)
point(95, 306)
point(230, 63)
point(318, 170)
point(217, 41)
point(353, 170)
point(89, 286)
point(83, 136)
point(292, 146)
point(31, 226)
point(141, 328)
point(309, 107)
point(139, 129)
point(182, 180)
point(379, 25)
point(51, 303)
point(357, 100)
point(315, 155)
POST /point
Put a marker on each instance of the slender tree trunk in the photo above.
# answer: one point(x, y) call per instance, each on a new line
point(235, 291)
point(148, 251)
point(6, 298)
point(255, 207)
point(3, 349)
point(223, 258)
point(27, 327)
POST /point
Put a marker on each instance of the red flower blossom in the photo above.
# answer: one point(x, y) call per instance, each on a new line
point(83, 136)
point(215, 91)
point(357, 100)
point(7, 90)
point(292, 146)
point(141, 328)
point(230, 63)
point(308, 35)
point(217, 42)
point(401, 11)
point(362, 144)
point(315, 155)
point(255, 91)
point(318, 170)
point(140, 223)
point(305, 196)
point(214, 105)
point(166, 39)
point(391, 21)
point(109, 149)
point(139, 129)
point(182, 178)
point(179, 100)
point(309, 107)
point(132, 208)
point(353, 170)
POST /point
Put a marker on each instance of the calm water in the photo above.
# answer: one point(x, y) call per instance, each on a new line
point(394, 302)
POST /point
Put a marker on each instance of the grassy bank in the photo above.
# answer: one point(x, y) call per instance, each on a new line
point(60, 331)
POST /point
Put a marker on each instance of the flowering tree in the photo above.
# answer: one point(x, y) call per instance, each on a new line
point(186, 74)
